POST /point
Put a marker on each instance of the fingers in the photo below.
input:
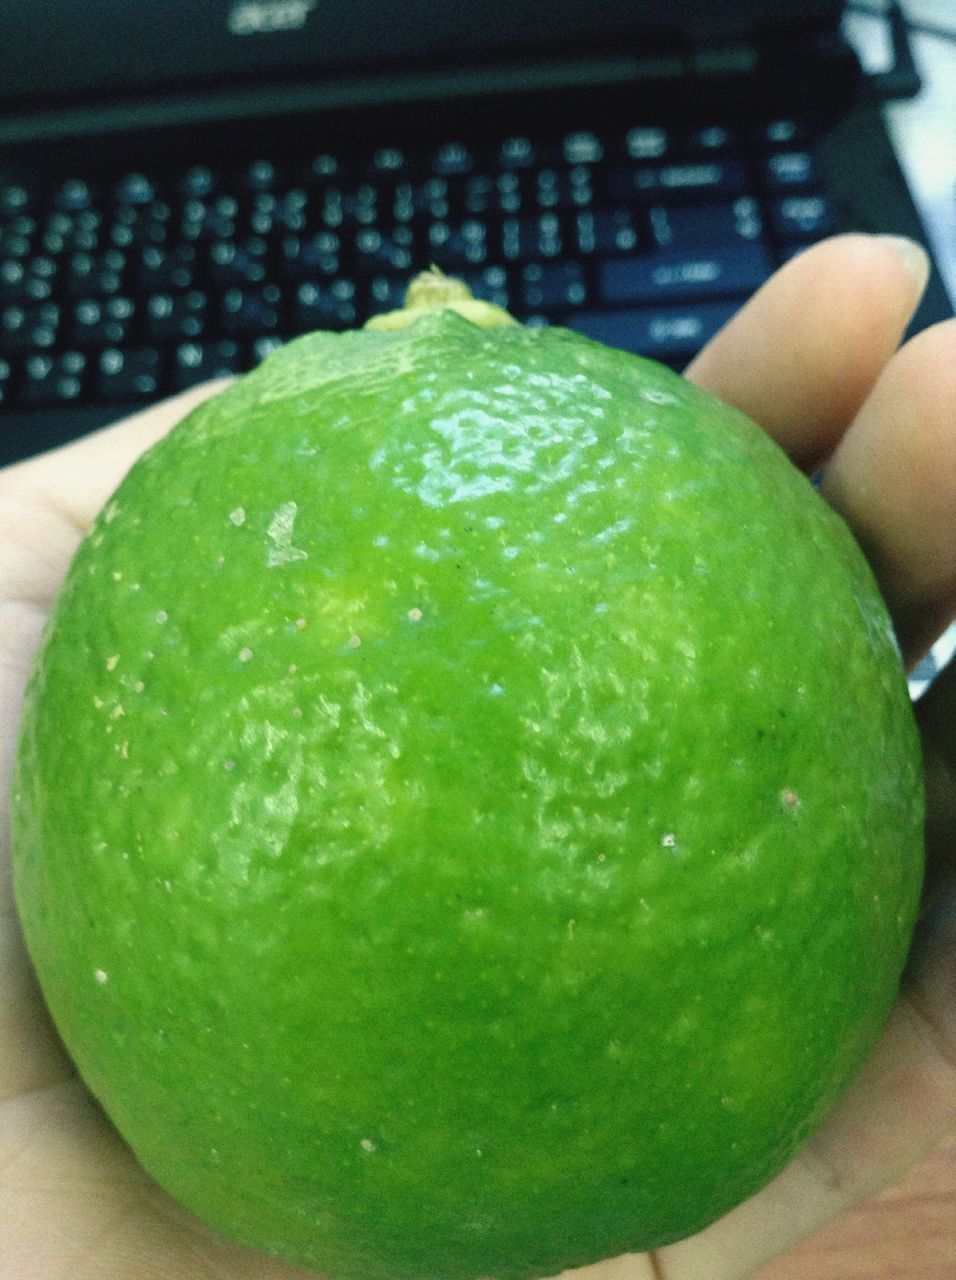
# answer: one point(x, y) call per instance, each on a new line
point(813, 357)
point(803, 353)
point(893, 477)
point(936, 714)
point(78, 478)
point(898, 1110)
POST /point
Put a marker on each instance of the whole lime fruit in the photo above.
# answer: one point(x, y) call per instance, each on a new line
point(468, 812)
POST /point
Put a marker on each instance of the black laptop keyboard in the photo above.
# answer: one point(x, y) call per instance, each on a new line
point(122, 290)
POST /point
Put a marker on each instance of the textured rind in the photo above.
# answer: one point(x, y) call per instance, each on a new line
point(468, 809)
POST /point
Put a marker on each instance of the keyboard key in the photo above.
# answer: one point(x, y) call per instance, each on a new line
point(197, 182)
point(732, 269)
point(524, 238)
point(89, 275)
point(386, 161)
point(122, 376)
point(249, 312)
point(383, 251)
point(318, 256)
point(134, 189)
point(330, 305)
point(260, 175)
point(14, 200)
point(784, 132)
point(200, 361)
point(562, 189)
point(385, 293)
point(552, 286)
point(486, 194)
point(802, 217)
point(230, 263)
point(13, 277)
point(789, 170)
point(52, 380)
point(647, 143)
point(709, 139)
point(73, 194)
point(16, 245)
point(456, 246)
point(517, 152)
point(697, 180)
point(660, 332)
point(491, 284)
point(321, 169)
point(29, 328)
point(583, 147)
point(103, 322)
point(604, 231)
point(695, 225)
point(6, 381)
point(452, 159)
point(165, 269)
point(264, 346)
point(173, 317)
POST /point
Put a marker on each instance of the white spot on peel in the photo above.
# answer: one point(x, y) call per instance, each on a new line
point(111, 662)
point(162, 616)
point(354, 642)
point(245, 654)
point(789, 799)
point(368, 1145)
point(280, 533)
point(238, 517)
point(100, 975)
point(414, 615)
point(668, 840)
point(653, 396)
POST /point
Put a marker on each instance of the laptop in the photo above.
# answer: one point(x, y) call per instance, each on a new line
point(183, 187)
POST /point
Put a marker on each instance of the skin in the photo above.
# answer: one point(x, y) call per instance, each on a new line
point(815, 357)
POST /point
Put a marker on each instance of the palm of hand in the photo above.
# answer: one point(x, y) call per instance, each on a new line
point(73, 1201)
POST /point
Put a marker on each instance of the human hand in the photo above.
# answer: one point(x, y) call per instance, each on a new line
point(812, 354)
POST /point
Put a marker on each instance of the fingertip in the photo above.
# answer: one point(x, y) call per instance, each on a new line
point(801, 356)
point(893, 478)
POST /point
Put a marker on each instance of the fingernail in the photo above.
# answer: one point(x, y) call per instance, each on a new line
point(915, 257)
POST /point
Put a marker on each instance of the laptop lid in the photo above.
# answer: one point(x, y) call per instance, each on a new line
point(63, 58)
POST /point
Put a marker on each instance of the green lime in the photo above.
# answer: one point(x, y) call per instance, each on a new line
point(468, 815)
